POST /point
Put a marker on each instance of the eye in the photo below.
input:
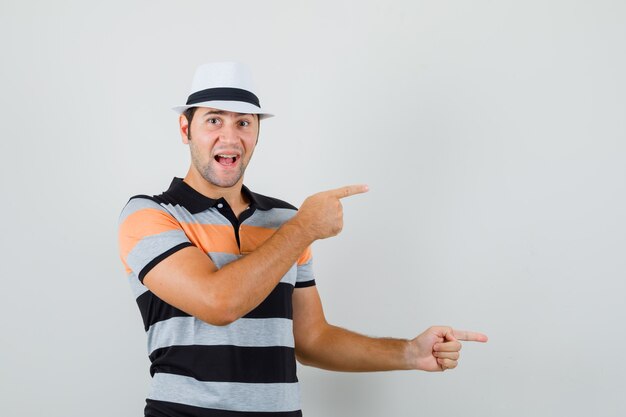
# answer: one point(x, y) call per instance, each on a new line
point(213, 120)
point(244, 123)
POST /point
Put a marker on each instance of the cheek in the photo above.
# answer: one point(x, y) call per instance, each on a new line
point(250, 149)
point(202, 141)
point(249, 141)
point(197, 151)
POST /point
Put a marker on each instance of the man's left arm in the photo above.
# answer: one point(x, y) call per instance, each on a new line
point(323, 345)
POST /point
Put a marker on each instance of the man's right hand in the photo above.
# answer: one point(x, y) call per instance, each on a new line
point(321, 215)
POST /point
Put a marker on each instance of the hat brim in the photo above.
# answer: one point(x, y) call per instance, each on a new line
point(234, 106)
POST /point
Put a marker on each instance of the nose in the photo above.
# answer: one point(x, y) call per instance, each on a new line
point(228, 134)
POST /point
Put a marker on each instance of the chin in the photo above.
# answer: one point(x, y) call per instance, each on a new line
point(222, 182)
point(221, 179)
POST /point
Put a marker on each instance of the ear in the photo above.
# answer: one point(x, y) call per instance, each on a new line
point(184, 128)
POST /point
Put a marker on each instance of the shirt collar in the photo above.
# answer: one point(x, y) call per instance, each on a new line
point(185, 195)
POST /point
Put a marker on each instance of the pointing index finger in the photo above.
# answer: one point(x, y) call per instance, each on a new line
point(468, 336)
point(349, 190)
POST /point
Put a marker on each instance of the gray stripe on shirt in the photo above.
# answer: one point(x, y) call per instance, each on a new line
point(232, 396)
point(135, 285)
point(136, 204)
point(305, 272)
point(209, 216)
point(270, 219)
point(186, 331)
point(222, 258)
point(152, 246)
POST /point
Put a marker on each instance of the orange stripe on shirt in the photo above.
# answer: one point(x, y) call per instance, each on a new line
point(212, 237)
point(305, 257)
point(143, 223)
point(251, 237)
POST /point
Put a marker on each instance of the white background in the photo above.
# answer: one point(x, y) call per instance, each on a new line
point(492, 135)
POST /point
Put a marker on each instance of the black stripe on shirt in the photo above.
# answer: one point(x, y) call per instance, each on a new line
point(277, 305)
point(305, 284)
point(226, 363)
point(154, 310)
point(155, 408)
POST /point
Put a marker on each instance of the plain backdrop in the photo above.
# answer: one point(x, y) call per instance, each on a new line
point(492, 135)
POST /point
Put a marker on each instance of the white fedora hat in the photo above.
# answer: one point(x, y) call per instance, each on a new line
point(224, 86)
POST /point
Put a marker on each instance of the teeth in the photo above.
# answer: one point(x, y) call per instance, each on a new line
point(227, 156)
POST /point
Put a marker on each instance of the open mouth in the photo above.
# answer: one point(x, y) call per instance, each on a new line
point(226, 160)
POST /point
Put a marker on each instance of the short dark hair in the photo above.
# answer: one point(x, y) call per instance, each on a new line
point(188, 113)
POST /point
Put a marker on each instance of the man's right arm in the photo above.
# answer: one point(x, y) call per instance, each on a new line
point(190, 281)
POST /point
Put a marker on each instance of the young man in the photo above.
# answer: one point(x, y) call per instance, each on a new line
point(223, 276)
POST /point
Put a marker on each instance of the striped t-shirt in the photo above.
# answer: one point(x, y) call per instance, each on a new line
point(246, 368)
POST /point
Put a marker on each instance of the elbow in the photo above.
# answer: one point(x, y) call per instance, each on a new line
point(311, 343)
point(216, 320)
point(220, 312)
point(303, 359)
point(307, 352)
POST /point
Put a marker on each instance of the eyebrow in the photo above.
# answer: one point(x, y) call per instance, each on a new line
point(218, 112)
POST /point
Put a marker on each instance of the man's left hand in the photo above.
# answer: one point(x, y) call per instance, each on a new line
point(437, 349)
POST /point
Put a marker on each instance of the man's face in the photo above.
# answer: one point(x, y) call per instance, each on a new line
point(221, 144)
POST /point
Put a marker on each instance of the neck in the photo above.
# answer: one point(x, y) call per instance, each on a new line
point(233, 195)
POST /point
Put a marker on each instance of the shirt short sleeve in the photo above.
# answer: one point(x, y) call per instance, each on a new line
point(305, 276)
point(148, 233)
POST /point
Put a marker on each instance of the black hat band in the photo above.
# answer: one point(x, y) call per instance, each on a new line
point(223, 94)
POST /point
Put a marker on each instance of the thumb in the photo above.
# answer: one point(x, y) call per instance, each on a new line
point(446, 333)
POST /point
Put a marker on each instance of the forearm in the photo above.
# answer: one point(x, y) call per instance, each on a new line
point(242, 285)
point(190, 281)
point(337, 349)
